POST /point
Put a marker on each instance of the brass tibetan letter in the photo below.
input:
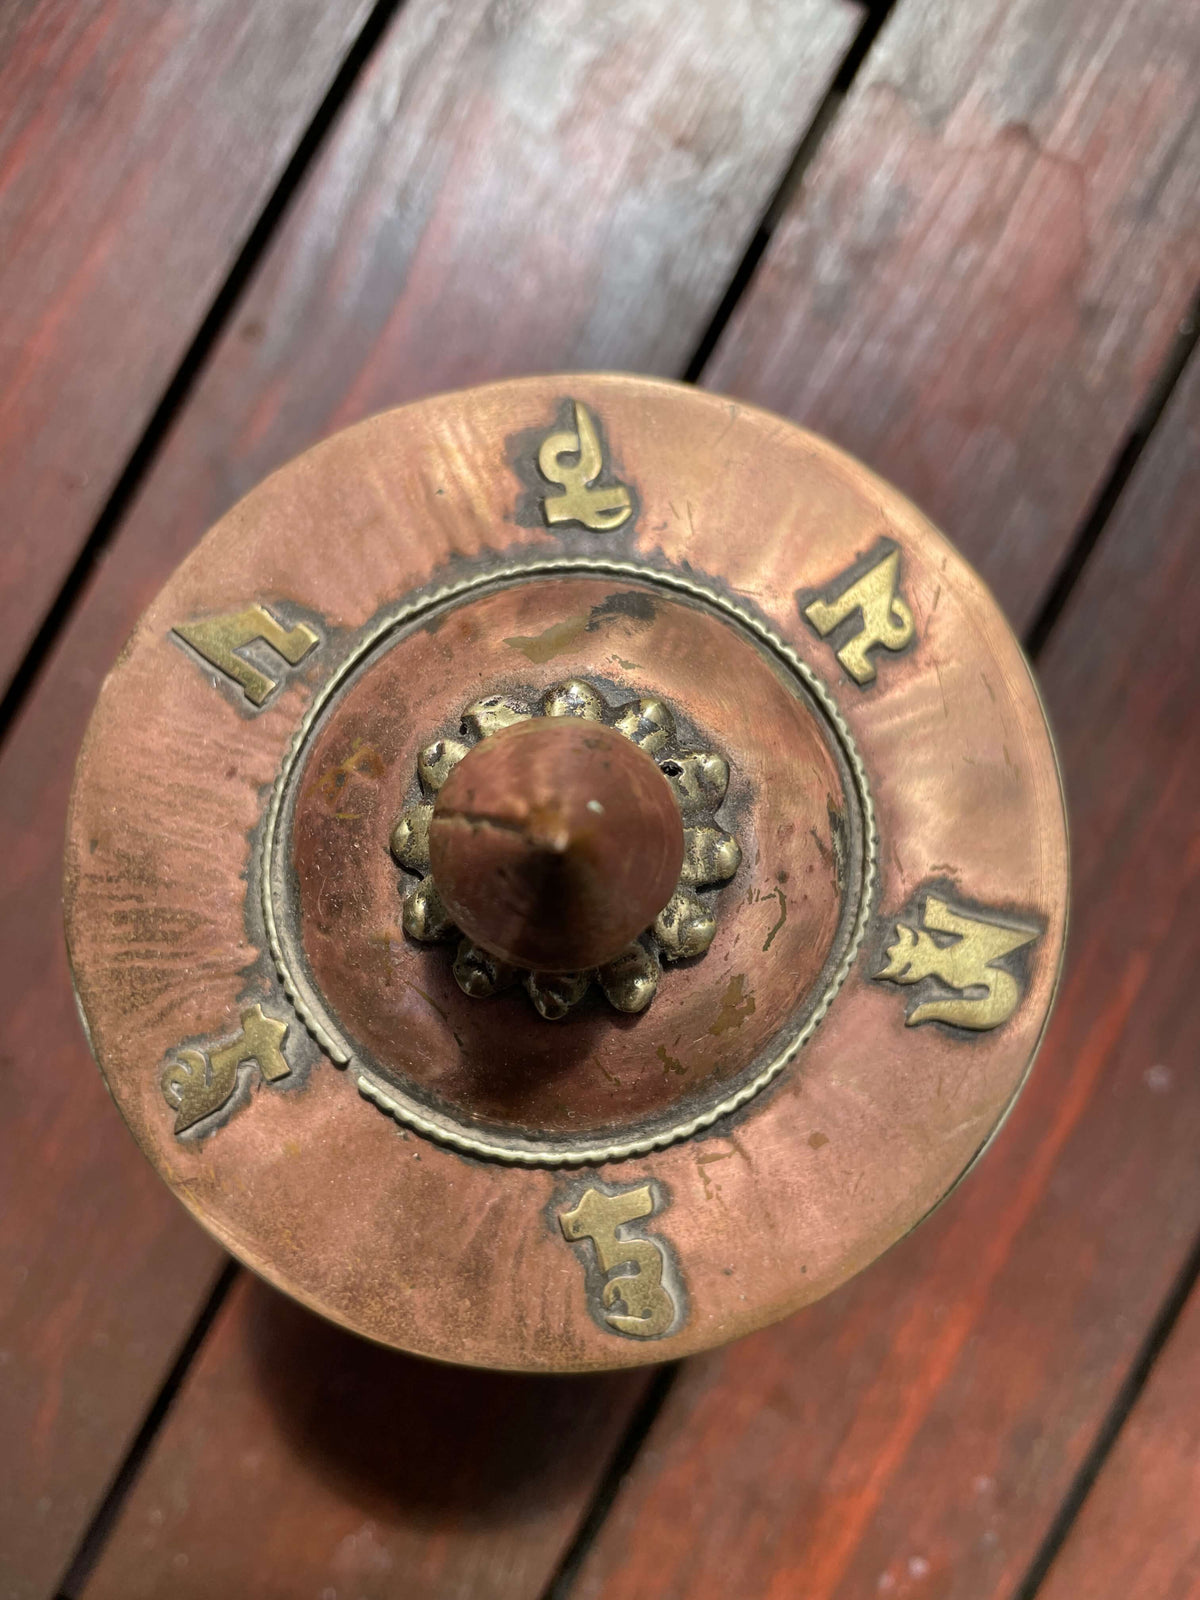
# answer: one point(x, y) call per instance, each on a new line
point(967, 963)
point(218, 639)
point(649, 1309)
point(886, 619)
point(197, 1083)
point(582, 500)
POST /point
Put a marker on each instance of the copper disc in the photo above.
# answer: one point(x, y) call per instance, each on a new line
point(778, 1078)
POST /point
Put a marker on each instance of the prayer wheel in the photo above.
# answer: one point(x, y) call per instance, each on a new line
point(567, 873)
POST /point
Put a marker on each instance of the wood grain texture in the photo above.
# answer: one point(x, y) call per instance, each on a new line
point(516, 189)
point(1138, 1535)
point(978, 280)
point(914, 1434)
point(302, 1460)
point(461, 222)
point(139, 143)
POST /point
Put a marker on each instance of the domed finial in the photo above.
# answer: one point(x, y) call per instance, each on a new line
point(555, 842)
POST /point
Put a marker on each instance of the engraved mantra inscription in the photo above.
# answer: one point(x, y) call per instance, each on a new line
point(649, 1308)
point(965, 963)
point(574, 461)
point(197, 1082)
point(218, 639)
point(887, 622)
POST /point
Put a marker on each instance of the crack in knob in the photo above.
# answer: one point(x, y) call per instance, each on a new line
point(556, 842)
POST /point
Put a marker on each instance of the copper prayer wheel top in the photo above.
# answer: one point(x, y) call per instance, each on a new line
point(567, 873)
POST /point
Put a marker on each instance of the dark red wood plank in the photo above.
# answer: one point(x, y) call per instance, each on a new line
point(915, 1434)
point(515, 191)
point(1138, 1535)
point(309, 1462)
point(139, 142)
point(978, 280)
point(509, 187)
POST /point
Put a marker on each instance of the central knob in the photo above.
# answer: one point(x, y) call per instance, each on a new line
point(555, 842)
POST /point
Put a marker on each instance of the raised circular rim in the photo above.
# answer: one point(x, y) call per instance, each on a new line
point(407, 1109)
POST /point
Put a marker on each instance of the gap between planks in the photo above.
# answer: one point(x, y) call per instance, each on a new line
point(172, 402)
point(1071, 569)
point(424, 45)
point(136, 470)
point(111, 1505)
point(1111, 488)
point(805, 153)
point(175, 396)
point(57, 619)
point(1126, 1398)
point(1075, 560)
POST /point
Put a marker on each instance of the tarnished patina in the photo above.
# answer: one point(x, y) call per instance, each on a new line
point(652, 884)
point(862, 941)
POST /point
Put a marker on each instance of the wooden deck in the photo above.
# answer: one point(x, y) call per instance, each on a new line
point(961, 239)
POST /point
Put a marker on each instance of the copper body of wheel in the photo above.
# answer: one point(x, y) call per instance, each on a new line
point(649, 1022)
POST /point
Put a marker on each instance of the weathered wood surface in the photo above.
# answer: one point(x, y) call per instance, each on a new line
point(513, 190)
point(1138, 1535)
point(138, 144)
point(503, 182)
point(306, 1461)
point(973, 288)
point(916, 1433)
point(987, 264)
